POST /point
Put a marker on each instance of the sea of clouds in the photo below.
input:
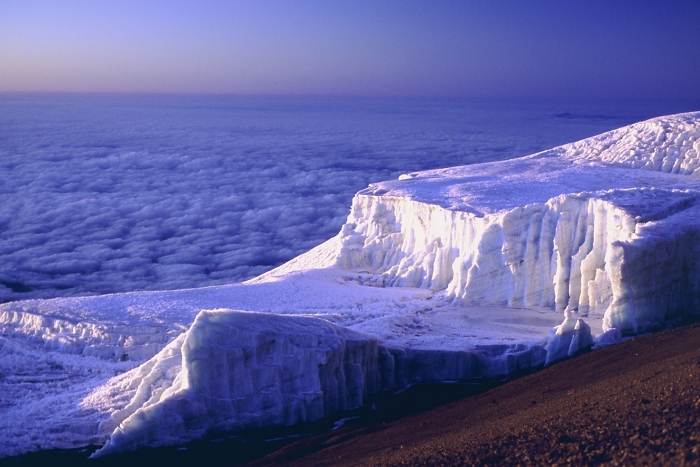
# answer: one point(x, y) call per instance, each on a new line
point(102, 194)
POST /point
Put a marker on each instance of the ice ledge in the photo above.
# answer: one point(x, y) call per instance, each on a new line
point(573, 229)
point(235, 370)
point(628, 256)
point(242, 370)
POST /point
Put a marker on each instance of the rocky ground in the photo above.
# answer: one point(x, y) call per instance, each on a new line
point(635, 403)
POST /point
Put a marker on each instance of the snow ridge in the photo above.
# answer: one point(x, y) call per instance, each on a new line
point(66, 335)
point(666, 144)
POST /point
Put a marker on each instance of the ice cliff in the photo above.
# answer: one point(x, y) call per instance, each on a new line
point(469, 271)
point(235, 370)
point(573, 228)
point(241, 370)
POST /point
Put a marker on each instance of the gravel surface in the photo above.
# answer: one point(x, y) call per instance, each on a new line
point(635, 403)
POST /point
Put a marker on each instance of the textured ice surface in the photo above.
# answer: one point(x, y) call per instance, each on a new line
point(469, 271)
point(573, 228)
point(241, 370)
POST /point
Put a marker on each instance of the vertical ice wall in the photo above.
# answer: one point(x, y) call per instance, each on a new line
point(551, 255)
point(236, 370)
point(410, 244)
point(659, 274)
point(580, 252)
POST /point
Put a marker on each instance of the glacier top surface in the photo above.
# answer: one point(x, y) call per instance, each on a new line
point(663, 148)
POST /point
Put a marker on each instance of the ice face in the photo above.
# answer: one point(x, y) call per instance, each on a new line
point(470, 271)
point(235, 370)
point(572, 228)
point(244, 370)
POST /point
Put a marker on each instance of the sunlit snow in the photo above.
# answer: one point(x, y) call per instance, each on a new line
point(470, 271)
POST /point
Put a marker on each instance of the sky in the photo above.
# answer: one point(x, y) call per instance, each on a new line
point(475, 49)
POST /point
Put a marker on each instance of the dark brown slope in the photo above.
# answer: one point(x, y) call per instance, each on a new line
point(634, 403)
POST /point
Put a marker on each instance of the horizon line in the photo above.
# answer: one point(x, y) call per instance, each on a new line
point(497, 98)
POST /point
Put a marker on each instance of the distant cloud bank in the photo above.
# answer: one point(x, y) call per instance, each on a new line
point(104, 194)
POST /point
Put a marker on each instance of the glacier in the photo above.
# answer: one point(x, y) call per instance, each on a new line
point(470, 271)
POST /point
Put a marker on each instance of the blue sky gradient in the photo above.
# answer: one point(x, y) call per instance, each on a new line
point(473, 49)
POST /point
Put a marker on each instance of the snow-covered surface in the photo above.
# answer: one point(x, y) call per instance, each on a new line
point(469, 271)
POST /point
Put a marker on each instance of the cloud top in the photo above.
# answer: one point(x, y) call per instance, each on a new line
point(102, 194)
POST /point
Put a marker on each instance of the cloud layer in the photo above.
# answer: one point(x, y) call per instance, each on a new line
point(103, 194)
